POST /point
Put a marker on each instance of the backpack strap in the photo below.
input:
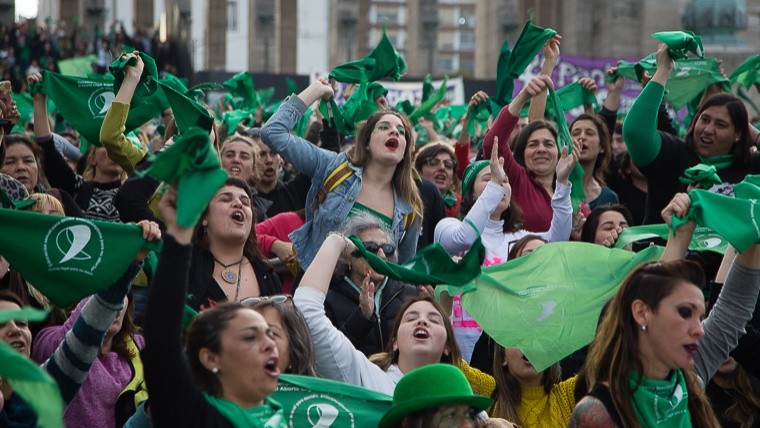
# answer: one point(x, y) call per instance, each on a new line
point(333, 180)
point(408, 220)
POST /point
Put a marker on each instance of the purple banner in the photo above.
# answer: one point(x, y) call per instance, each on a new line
point(570, 68)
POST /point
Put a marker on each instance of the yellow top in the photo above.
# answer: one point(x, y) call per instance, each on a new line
point(118, 147)
point(537, 408)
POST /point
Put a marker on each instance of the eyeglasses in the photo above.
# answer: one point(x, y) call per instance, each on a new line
point(6, 125)
point(435, 162)
point(385, 126)
point(277, 298)
point(449, 417)
point(374, 247)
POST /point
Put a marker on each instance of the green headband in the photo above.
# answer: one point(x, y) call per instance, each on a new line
point(471, 172)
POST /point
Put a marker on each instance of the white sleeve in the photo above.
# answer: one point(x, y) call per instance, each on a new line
point(457, 236)
point(562, 215)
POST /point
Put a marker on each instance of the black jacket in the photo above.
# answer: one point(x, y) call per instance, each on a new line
point(367, 335)
point(206, 292)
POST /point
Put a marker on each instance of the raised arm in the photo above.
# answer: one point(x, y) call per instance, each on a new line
point(457, 236)
point(640, 127)
point(70, 363)
point(731, 312)
point(551, 57)
point(119, 148)
point(562, 209)
point(175, 399)
point(678, 245)
point(337, 358)
point(276, 133)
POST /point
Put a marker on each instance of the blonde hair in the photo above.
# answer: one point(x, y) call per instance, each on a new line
point(45, 200)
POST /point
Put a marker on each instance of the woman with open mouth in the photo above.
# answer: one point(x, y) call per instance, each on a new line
point(228, 263)
point(720, 134)
point(229, 363)
point(654, 349)
point(374, 176)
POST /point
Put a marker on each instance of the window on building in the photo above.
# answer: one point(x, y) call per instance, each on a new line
point(446, 64)
point(232, 15)
point(467, 40)
point(387, 14)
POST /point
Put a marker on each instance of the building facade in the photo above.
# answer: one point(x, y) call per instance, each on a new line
point(442, 37)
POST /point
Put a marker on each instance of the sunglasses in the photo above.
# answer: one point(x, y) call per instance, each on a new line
point(435, 162)
point(277, 298)
point(374, 247)
point(6, 125)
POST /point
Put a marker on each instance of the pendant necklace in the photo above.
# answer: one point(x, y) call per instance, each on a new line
point(228, 275)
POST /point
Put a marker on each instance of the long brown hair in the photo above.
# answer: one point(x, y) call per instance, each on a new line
point(403, 180)
point(614, 352)
point(605, 147)
point(390, 356)
point(127, 331)
point(745, 404)
point(508, 388)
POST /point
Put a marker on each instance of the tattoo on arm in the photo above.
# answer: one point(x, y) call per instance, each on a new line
point(590, 413)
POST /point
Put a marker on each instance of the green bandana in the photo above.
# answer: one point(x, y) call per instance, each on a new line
point(681, 42)
point(449, 199)
point(747, 73)
point(689, 79)
point(187, 112)
point(529, 302)
point(192, 162)
point(30, 381)
point(68, 258)
point(85, 102)
point(719, 162)
point(431, 265)
point(268, 415)
point(382, 61)
point(79, 66)
point(577, 194)
point(231, 118)
point(315, 402)
point(479, 116)
point(471, 172)
point(660, 402)
point(530, 42)
point(704, 238)
point(148, 78)
point(735, 219)
point(702, 174)
point(375, 91)
point(357, 108)
point(241, 85)
point(428, 103)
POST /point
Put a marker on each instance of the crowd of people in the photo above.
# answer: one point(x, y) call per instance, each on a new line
point(265, 284)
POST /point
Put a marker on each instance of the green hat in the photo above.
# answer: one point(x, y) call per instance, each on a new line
point(431, 386)
point(471, 172)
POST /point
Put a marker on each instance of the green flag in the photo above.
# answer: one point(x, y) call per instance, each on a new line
point(530, 42)
point(232, 118)
point(311, 401)
point(80, 66)
point(193, 164)
point(681, 42)
point(241, 85)
point(703, 174)
point(577, 194)
point(68, 258)
point(30, 381)
point(187, 112)
point(690, 77)
point(704, 238)
point(550, 309)
point(747, 73)
point(735, 219)
point(431, 265)
point(382, 61)
point(428, 103)
point(85, 102)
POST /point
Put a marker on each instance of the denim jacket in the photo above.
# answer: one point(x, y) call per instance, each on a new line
point(318, 164)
